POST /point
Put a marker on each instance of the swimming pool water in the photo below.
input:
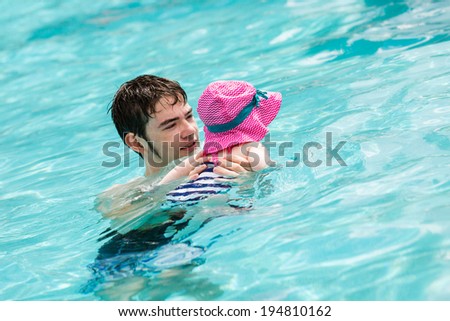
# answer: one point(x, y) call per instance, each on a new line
point(374, 73)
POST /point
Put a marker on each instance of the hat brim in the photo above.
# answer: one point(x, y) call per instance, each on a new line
point(271, 107)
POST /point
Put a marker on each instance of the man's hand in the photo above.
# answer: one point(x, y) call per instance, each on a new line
point(229, 166)
point(190, 167)
point(196, 171)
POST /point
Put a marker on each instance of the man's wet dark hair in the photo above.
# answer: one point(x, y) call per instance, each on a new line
point(135, 102)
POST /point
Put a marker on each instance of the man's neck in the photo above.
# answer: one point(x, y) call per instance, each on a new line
point(153, 170)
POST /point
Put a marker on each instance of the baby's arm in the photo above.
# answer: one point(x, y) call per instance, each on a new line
point(258, 156)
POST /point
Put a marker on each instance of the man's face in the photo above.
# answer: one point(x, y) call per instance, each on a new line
point(172, 132)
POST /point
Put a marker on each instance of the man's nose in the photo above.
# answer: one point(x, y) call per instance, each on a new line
point(188, 129)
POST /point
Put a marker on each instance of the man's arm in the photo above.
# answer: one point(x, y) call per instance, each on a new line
point(117, 199)
point(125, 200)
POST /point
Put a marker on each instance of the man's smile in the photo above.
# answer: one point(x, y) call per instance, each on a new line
point(189, 146)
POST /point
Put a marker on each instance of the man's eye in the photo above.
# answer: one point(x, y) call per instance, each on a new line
point(170, 126)
point(189, 116)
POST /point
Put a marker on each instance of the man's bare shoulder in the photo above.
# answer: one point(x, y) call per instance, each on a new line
point(118, 199)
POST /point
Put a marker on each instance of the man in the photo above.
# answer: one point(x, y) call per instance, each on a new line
point(154, 119)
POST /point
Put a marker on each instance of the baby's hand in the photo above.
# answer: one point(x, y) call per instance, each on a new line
point(232, 165)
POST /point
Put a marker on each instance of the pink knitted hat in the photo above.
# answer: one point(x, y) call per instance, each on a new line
point(234, 112)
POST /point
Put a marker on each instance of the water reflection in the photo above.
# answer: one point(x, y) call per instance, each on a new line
point(349, 47)
point(391, 8)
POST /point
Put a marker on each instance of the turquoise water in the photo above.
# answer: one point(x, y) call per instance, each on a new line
point(375, 74)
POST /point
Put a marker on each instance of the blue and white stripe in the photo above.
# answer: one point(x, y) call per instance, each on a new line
point(191, 192)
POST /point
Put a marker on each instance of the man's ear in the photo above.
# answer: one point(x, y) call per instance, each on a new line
point(133, 141)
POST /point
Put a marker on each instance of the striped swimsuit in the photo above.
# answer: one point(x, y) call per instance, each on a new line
point(191, 192)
